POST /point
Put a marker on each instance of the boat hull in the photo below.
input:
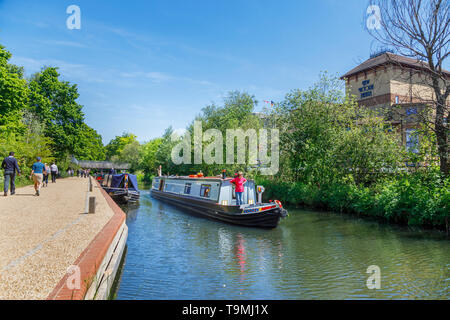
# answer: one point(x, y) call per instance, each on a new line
point(123, 197)
point(228, 214)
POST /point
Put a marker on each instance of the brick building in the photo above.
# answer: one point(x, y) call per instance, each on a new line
point(395, 86)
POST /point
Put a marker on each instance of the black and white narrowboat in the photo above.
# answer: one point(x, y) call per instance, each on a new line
point(214, 197)
point(123, 188)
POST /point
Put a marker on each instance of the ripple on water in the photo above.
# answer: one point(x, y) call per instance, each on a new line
point(174, 255)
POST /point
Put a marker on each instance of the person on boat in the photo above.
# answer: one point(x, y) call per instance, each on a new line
point(239, 182)
point(10, 166)
point(37, 173)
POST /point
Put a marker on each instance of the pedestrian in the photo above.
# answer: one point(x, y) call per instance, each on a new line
point(239, 182)
point(46, 173)
point(10, 166)
point(54, 172)
point(37, 173)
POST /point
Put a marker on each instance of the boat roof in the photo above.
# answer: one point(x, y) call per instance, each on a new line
point(219, 178)
point(132, 180)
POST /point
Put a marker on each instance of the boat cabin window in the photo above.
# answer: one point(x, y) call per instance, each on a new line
point(161, 185)
point(205, 190)
point(187, 188)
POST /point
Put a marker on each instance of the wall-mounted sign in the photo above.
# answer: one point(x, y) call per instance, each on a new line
point(366, 89)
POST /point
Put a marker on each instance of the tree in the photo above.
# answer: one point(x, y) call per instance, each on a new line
point(116, 145)
point(13, 96)
point(163, 156)
point(148, 156)
point(237, 112)
point(89, 145)
point(421, 29)
point(130, 154)
point(325, 137)
point(54, 102)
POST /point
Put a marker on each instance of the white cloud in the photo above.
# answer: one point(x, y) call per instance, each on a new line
point(158, 77)
point(63, 43)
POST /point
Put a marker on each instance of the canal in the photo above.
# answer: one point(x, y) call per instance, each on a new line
point(310, 255)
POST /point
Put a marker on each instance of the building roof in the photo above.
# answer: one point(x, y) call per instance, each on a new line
point(385, 59)
point(87, 164)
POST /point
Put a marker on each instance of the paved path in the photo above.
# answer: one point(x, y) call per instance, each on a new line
point(40, 237)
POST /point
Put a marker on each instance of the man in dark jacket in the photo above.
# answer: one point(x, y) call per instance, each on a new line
point(10, 166)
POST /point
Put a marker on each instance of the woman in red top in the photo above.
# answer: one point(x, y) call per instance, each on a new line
point(239, 182)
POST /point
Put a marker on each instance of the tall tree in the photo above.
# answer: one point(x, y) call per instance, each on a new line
point(117, 145)
point(325, 137)
point(89, 145)
point(237, 112)
point(421, 29)
point(13, 96)
point(54, 101)
point(148, 156)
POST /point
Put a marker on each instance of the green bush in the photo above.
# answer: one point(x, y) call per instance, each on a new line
point(414, 199)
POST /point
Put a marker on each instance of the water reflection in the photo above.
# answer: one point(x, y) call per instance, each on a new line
point(174, 255)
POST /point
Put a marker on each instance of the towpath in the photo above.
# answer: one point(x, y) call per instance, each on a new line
point(41, 237)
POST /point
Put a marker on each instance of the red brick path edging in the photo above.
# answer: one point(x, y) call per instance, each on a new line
point(91, 258)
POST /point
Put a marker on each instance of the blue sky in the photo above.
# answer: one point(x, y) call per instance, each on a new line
point(142, 66)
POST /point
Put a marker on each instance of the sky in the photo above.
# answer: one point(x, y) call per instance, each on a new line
point(142, 66)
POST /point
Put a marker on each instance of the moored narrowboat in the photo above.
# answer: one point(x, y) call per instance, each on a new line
point(123, 188)
point(214, 197)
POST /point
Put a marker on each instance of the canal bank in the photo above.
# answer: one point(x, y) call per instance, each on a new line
point(311, 255)
point(417, 199)
point(52, 249)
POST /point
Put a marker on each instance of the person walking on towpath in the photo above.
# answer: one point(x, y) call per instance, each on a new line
point(37, 173)
point(10, 166)
point(239, 182)
point(46, 174)
point(54, 171)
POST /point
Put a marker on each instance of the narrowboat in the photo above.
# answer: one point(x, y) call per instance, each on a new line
point(123, 188)
point(214, 197)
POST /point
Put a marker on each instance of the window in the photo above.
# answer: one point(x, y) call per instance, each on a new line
point(397, 99)
point(187, 188)
point(412, 141)
point(205, 190)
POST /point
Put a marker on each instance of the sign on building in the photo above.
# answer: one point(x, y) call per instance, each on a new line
point(366, 90)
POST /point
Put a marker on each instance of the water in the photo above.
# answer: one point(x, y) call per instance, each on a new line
point(310, 255)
